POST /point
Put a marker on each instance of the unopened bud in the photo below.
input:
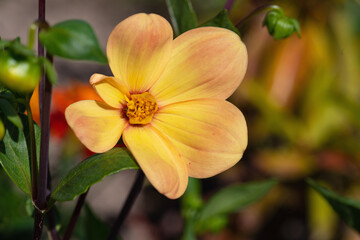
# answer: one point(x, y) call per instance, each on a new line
point(280, 26)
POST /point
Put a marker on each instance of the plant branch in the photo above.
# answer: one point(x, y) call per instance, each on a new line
point(45, 98)
point(256, 12)
point(134, 192)
point(52, 225)
point(75, 216)
point(38, 224)
point(45, 92)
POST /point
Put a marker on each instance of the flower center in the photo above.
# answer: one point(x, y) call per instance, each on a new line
point(141, 108)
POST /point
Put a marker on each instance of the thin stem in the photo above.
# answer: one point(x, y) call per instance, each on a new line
point(45, 92)
point(256, 12)
point(75, 216)
point(134, 192)
point(41, 10)
point(38, 224)
point(229, 4)
point(53, 234)
point(44, 112)
point(52, 225)
point(33, 158)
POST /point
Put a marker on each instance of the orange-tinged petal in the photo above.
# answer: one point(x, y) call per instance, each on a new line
point(206, 62)
point(158, 158)
point(97, 125)
point(210, 134)
point(110, 89)
point(138, 50)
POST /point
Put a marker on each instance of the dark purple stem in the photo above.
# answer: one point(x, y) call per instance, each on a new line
point(45, 91)
point(229, 4)
point(38, 224)
point(75, 216)
point(52, 225)
point(134, 192)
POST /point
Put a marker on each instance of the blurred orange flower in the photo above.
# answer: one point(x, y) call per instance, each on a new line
point(62, 97)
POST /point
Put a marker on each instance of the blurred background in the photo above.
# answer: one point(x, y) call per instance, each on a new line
point(300, 97)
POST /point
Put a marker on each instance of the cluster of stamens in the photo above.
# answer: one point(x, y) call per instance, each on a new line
point(141, 108)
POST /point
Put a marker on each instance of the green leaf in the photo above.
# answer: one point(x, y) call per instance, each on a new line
point(73, 39)
point(10, 113)
point(222, 20)
point(91, 171)
point(182, 14)
point(14, 156)
point(14, 221)
point(234, 198)
point(348, 209)
point(213, 224)
point(37, 140)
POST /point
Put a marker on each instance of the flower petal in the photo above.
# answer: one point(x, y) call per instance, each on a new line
point(210, 134)
point(206, 62)
point(158, 158)
point(110, 89)
point(138, 50)
point(97, 125)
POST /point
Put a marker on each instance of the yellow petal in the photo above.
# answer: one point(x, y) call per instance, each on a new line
point(158, 158)
point(206, 62)
point(138, 50)
point(97, 125)
point(210, 134)
point(110, 89)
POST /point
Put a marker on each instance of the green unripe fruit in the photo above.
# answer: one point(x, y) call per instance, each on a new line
point(19, 75)
point(2, 130)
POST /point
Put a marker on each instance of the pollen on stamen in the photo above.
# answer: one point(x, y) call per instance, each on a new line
point(141, 108)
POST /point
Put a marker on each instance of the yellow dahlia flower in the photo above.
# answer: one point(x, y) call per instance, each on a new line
point(167, 101)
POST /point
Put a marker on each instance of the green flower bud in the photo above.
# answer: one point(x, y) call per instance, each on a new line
point(19, 74)
point(280, 26)
point(2, 130)
point(271, 19)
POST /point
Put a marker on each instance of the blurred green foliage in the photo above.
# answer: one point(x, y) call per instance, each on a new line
point(14, 221)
